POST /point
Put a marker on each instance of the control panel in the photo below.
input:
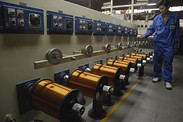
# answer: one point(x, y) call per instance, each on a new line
point(99, 28)
point(83, 25)
point(111, 29)
point(126, 31)
point(119, 30)
point(130, 31)
point(20, 19)
point(135, 32)
point(59, 23)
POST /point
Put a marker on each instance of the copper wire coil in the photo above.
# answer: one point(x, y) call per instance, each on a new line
point(126, 59)
point(140, 58)
point(54, 99)
point(140, 54)
point(128, 55)
point(124, 65)
point(87, 82)
point(111, 72)
point(133, 61)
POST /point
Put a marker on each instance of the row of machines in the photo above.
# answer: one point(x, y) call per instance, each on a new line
point(23, 19)
point(64, 97)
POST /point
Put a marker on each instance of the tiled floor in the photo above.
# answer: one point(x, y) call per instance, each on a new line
point(150, 102)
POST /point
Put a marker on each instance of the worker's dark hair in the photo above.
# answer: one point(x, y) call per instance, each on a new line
point(166, 3)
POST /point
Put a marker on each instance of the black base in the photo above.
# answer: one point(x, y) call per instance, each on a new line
point(73, 119)
point(140, 72)
point(97, 115)
point(118, 93)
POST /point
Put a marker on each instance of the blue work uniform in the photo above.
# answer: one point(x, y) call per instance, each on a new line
point(166, 36)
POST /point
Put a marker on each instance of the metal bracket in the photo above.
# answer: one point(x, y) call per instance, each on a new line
point(116, 57)
point(83, 67)
point(99, 61)
point(109, 58)
point(62, 77)
point(23, 100)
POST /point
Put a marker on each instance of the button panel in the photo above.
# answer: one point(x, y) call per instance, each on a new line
point(111, 29)
point(119, 30)
point(59, 23)
point(126, 31)
point(83, 25)
point(99, 28)
point(21, 19)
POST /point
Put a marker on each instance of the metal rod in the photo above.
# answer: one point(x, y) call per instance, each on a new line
point(111, 7)
point(65, 59)
point(132, 9)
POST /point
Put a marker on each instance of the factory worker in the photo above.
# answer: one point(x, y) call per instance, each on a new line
point(165, 28)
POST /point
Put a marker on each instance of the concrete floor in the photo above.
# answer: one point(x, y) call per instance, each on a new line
point(148, 102)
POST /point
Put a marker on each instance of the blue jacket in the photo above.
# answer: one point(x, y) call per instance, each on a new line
point(165, 35)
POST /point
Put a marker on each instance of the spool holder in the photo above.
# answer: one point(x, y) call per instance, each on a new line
point(83, 67)
point(99, 61)
point(88, 50)
point(23, 98)
point(62, 77)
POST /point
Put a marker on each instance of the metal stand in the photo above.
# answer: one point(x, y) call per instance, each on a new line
point(97, 111)
point(108, 100)
point(117, 89)
point(140, 71)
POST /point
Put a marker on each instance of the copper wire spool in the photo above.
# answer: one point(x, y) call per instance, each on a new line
point(54, 99)
point(126, 59)
point(140, 58)
point(133, 61)
point(128, 55)
point(88, 83)
point(111, 72)
point(140, 54)
point(124, 65)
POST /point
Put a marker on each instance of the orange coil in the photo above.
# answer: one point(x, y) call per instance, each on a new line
point(140, 54)
point(87, 82)
point(126, 59)
point(128, 55)
point(139, 58)
point(124, 65)
point(53, 98)
point(111, 72)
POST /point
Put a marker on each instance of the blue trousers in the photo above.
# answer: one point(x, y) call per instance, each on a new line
point(163, 55)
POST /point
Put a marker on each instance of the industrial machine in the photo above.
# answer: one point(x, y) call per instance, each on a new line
point(38, 39)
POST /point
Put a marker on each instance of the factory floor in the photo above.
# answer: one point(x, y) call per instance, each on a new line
point(145, 101)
